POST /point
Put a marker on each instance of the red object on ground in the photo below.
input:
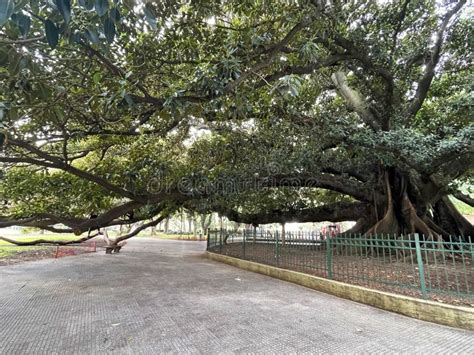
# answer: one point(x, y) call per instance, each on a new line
point(331, 230)
point(67, 250)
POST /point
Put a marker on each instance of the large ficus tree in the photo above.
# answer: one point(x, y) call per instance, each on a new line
point(336, 110)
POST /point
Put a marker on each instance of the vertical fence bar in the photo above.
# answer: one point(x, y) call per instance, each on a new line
point(220, 241)
point(471, 249)
point(243, 244)
point(421, 270)
point(329, 257)
point(277, 253)
point(208, 240)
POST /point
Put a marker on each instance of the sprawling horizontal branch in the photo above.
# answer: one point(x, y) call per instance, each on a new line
point(340, 184)
point(304, 69)
point(6, 222)
point(337, 212)
point(50, 161)
point(360, 175)
point(464, 198)
point(271, 55)
point(107, 217)
point(75, 225)
point(49, 242)
point(22, 41)
point(42, 220)
point(141, 228)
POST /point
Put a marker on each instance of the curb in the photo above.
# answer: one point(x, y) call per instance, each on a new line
point(445, 314)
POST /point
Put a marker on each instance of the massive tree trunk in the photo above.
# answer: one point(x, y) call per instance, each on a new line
point(401, 206)
point(450, 220)
point(205, 223)
point(408, 210)
point(166, 225)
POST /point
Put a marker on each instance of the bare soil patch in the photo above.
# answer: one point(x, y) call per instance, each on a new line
point(48, 252)
point(448, 282)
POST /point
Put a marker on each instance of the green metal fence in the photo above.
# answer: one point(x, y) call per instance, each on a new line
point(413, 265)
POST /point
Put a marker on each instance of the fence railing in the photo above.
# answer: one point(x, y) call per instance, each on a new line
point(413, 265)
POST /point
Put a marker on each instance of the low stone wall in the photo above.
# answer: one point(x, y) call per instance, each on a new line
point(454, 316)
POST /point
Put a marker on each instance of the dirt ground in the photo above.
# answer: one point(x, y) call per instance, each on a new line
point(48, 252)
point(448, 281)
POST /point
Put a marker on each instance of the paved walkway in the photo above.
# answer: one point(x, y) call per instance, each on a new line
point(162, 296)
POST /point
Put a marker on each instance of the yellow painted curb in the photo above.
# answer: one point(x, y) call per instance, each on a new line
point(454, 316)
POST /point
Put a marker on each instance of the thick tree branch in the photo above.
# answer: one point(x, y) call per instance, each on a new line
point(22, 41)
point(464, 198)
point(139, 229)
point(337, 212)
point(425, 82)
point(331, 182)
point(401, 18)
point(305, 69)
point(454, 168)
point(354, 100)
point(114, 69)
point(358, 53)
point(76, 225)
point(55, 162)
point(271, 55)
point(48, 242)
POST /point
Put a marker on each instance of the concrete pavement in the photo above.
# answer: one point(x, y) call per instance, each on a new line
point(161, 296)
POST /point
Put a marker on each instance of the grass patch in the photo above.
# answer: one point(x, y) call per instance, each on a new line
point(160, 235)
point(29, 238)
point(462, 207)
point(9, 250)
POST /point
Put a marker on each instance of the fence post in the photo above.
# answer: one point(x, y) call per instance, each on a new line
point(329, 257)
point(220, 241)
point(243, 244)
point(276, 249)
point(208, 240)
point(471, 248)
point(421, 270)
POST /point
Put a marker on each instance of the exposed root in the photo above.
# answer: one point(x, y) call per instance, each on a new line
point(361, 226)
point(413, 222)
point(433, 226)
point(451, 220)
point(389, 223)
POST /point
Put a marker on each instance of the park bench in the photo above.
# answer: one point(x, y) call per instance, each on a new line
point(114, 248)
